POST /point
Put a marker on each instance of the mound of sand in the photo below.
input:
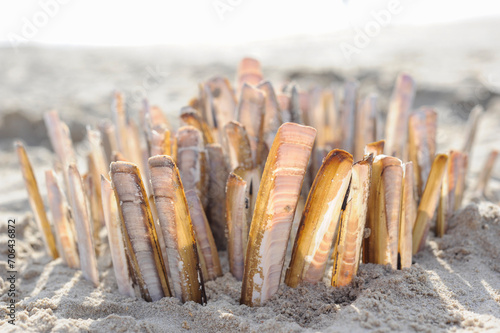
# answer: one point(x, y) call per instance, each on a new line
point(454, 285)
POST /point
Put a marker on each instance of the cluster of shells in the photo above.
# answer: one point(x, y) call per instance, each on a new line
point(249, 166)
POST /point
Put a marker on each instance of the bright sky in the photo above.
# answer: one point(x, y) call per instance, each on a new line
point(113, 22)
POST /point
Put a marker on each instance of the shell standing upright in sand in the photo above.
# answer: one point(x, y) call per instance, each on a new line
point(177, 229)
point(272, 113)
point(250, 113)
point(320, 219)
point(274, 211)
point(36, 202)
point(472, 124)
point(422, 126)
point(384, 207)
point(347, 250)
point(204, 238)
point(160, 142)
point(241, 162)
point(216, 209)
point(237, 226)
point(192, 161)
point(61, 217)
point(116, 240)
point(408, 215)
point(238, 146)
point(375, 148)
point(191, 117)
point(60, 139)
point(84, 232)
point(451, 190)
point(428, 202)
point(250, 72)
point(223, 101)
point(139, 231)
point(397, 115)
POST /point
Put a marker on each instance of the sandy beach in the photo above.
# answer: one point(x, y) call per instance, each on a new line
point(453, 285)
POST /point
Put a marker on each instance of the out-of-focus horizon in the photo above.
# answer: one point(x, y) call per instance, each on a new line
point(71, 55)
point(215, 22)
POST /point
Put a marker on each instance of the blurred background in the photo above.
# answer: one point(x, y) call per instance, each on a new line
point(71, 55)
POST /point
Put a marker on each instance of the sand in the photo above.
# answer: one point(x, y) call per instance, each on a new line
point(454, 284)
